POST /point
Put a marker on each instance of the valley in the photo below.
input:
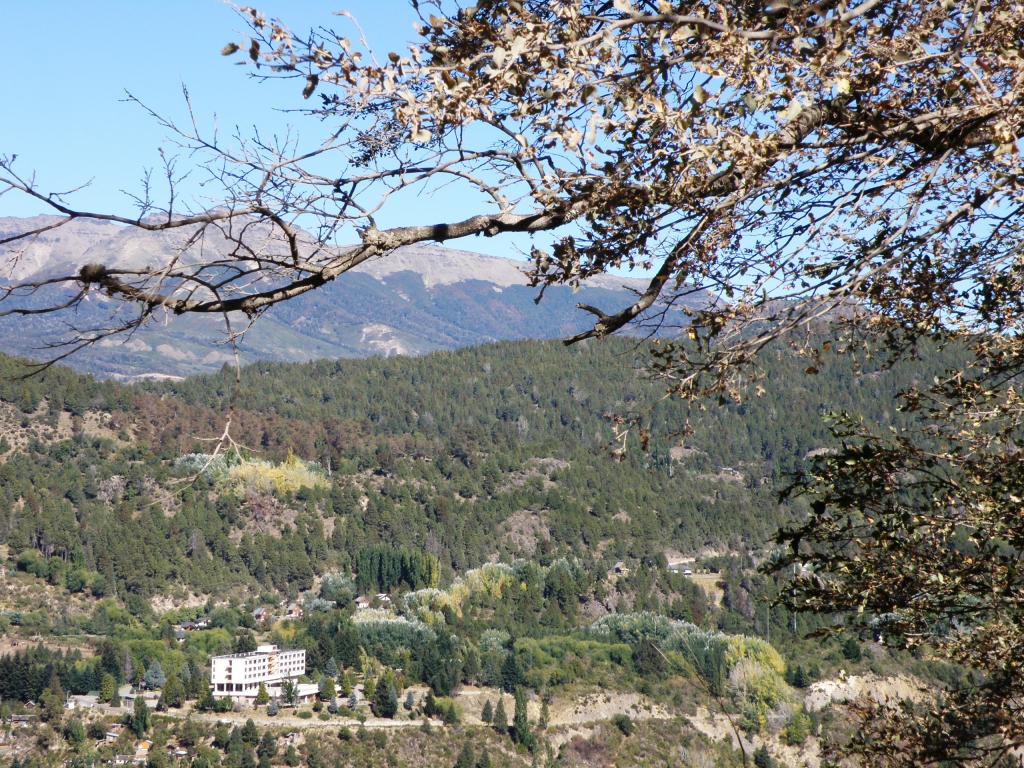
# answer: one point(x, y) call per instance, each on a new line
point(444, 528)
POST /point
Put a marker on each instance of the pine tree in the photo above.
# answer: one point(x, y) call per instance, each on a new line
point(763, 758)
point(466, 758)
point(250, 734)
point(369, 688)
point(197, 681)
point(851, 649)
point(450, 714)
point(174, 692)
point(290, 691)
point(52, 700)
point(326, 689)
point(385, 699)
point(205, 701)
point(520, 731)
point(331, 668)
point(511, 673)
point(221, 736)
point(262, 697)
point(799, 728)
point(108, 659)
point(800, 677)
point(140, 717)
point(267, 745)
point(154, 677)
point(488, 713)
point(108, 687)
point(74, 732)
point(501, 717)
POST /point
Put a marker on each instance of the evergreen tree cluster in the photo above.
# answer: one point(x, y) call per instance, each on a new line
point(381, 568)
point(434, 465)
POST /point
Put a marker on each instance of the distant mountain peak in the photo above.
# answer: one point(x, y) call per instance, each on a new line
point(418, 299)
point(439, 266)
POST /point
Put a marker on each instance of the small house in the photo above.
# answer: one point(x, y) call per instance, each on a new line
point(83, 701)
point(684, 566)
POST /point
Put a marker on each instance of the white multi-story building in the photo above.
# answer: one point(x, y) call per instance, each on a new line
point(238, 676)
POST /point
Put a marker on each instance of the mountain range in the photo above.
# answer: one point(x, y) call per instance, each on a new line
point(416, 300)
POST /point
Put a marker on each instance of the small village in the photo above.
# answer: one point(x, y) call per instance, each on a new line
point(263, 684)
point(268, 686)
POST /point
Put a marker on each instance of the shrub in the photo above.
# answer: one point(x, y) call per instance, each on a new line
point(799, 729)
point(851, 649)
point(763, 758)
point(623, 723)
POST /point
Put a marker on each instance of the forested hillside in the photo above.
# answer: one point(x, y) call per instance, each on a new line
point(488, 452)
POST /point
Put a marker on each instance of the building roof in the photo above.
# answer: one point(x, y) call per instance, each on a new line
point(261, 650)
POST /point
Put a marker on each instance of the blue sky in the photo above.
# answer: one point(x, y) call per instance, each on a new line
point(68, 63)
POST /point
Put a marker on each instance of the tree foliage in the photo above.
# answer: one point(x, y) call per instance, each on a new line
point(139, 720)
point(520, 730)
point(154, 677)
point(385, 696)
point(500, 721)
point(383, 568)
point(914, 537)
point(809, 149)
point(807, 163)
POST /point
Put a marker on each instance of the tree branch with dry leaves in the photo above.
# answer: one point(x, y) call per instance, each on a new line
point(775, 157)
point(848, 168)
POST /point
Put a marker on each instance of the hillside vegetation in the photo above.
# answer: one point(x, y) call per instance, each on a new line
point(475, 498)
point(497, 451)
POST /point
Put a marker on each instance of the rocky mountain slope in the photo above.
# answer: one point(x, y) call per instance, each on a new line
point(420, 299)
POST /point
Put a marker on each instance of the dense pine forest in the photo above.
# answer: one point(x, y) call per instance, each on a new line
point(491, 452)
point(455, 523)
